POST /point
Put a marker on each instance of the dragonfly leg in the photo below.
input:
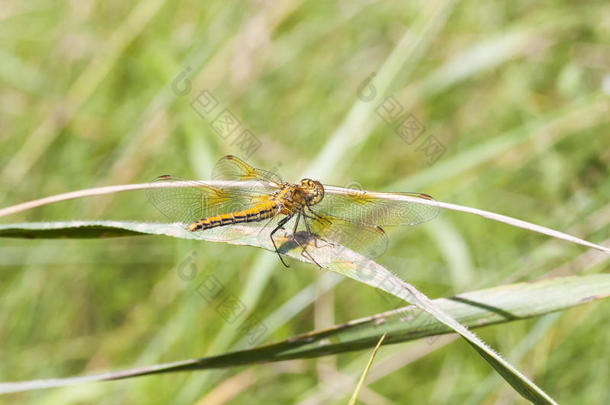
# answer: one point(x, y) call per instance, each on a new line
point(278, 227)
point(320, 219)
point(314, 236)
point(307, 255)
point(318, 216)
point(296, 225)
point(304, 251)
point(264, 227)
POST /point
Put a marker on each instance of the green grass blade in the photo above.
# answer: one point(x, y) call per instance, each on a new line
point(474, 309)
point(379, 277)
point(71, 229)
point(354, 398)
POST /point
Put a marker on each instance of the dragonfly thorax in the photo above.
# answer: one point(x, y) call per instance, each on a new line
point(312, 191)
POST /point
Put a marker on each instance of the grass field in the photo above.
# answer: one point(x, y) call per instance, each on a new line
point(507, 106)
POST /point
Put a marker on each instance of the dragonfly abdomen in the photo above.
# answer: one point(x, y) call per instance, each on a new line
point(257, 213)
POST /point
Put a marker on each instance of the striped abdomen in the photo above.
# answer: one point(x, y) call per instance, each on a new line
point(259, 212)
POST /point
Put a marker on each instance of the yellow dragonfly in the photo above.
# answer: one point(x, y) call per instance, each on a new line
point(242, 194)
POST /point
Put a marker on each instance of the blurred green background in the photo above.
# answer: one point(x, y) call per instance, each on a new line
point(91, 94)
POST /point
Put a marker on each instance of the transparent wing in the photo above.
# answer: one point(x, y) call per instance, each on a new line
point(363, 208)
point(233, 168)
point(369, 241)
point(192, 200)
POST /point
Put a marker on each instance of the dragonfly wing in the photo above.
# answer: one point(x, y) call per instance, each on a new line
point(233, 168)
point(369, 241)
point(187, 201)
point(365, 208)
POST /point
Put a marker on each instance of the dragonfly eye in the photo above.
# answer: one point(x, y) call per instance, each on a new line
point(314, 191)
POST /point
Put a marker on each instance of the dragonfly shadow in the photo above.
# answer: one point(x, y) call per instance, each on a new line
point(297, 240)
point(317, 250)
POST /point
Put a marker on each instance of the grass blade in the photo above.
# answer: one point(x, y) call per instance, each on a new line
point(377, 276)
point(354, 398)
point(329, 189)
point(474, 309)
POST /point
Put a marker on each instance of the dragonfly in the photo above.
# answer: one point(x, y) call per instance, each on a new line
point(242, 194)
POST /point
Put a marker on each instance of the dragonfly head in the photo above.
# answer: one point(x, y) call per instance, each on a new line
point(313, 191)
